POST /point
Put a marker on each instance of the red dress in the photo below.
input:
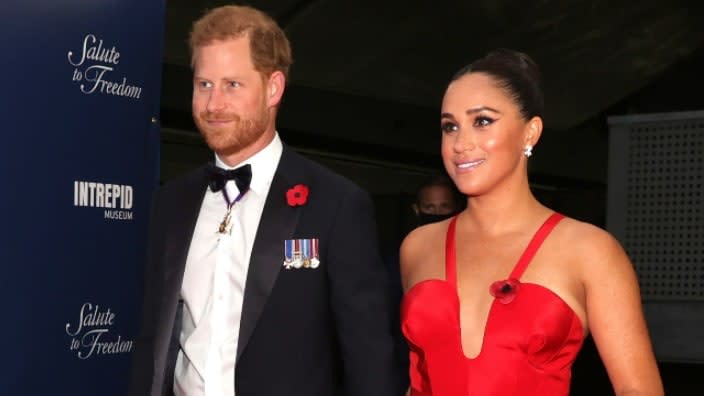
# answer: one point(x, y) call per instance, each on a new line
point(530, 341)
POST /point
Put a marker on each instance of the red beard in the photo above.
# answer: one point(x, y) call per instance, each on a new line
point(235, 136)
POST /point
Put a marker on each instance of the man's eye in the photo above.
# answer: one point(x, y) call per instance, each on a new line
point(234, 84)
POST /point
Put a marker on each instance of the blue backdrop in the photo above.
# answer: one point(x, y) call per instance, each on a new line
point(79, 161)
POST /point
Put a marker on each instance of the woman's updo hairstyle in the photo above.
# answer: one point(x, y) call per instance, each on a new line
point(514, 72)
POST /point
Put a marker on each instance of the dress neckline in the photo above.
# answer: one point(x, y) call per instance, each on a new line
point(518, 269)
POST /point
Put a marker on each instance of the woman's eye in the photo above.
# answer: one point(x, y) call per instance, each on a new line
point(448, 127)
point(234, 84)
point(483, 121)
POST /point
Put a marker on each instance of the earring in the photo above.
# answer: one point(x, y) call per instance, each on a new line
point(528, 150)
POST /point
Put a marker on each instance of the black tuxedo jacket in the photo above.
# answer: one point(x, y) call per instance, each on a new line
point(323, 331)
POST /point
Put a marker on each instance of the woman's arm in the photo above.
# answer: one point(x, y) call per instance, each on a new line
point(615, 317)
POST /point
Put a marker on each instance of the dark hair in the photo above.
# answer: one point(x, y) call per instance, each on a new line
point(440, 180)
point(516, 73)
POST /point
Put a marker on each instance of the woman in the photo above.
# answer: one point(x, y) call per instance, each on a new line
point(500, 298)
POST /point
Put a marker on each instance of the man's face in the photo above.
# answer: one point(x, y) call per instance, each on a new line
point(437, 200)
point(230, 104)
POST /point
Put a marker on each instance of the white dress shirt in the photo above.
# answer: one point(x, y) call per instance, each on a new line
point(214, 281)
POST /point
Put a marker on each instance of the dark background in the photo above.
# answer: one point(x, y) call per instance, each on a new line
point(368, 77)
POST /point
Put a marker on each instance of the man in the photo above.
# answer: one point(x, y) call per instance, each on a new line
point(436, 199)
point(268, 286)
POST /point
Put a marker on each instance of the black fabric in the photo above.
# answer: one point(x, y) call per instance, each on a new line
point(217, 177)
point(322, 331)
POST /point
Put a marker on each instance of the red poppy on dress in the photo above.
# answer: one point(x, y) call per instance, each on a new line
point(297, 195)
point(505, 290)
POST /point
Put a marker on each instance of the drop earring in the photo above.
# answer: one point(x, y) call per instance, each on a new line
point(528, 150)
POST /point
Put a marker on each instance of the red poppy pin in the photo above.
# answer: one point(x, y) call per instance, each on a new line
point(297, 195)
point(505, 290)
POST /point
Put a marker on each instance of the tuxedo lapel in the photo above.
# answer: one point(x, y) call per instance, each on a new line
point(183, 205)
point(277, 224)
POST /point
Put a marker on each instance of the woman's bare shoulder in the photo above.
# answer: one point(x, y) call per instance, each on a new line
point(592, 246)
point(419, 239)
point(422, 245)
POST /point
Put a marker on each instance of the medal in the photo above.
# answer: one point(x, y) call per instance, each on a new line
point(301, 253)
point(288, 253)
point(224, 226)
point(225, 223)
point(297, 259)
point(305, 252)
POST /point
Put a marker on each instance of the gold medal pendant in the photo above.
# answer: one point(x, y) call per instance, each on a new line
point(225, 224)
point(224, 227)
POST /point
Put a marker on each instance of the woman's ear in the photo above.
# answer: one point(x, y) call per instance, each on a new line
point(533, 131)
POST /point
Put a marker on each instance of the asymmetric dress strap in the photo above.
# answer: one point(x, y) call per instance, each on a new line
point(523, 261)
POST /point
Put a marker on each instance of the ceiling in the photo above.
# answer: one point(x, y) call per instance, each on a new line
point(368, 76)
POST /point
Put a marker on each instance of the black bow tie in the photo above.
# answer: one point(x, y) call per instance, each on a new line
point(217, 177)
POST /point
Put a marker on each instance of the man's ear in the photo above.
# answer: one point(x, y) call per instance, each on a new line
point(416, 209)
point(275, 88)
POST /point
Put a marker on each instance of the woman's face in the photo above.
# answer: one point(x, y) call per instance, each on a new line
point(483, 135)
